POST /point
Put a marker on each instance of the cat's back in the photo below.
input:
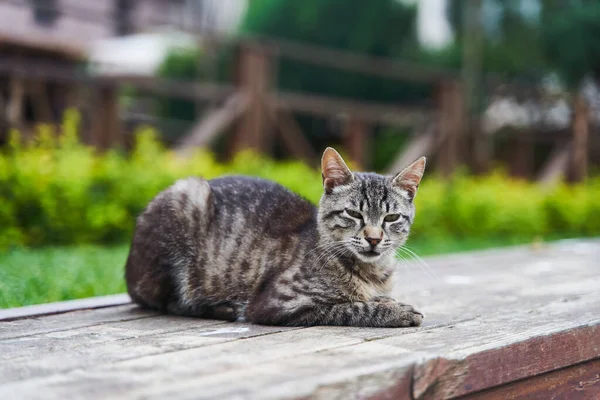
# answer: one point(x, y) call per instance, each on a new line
point(215, 238)
point(262, 205)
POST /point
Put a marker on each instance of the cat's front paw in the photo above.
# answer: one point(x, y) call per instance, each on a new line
point(408, 316)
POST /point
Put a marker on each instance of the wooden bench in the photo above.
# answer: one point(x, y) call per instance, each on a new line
point(519, 323)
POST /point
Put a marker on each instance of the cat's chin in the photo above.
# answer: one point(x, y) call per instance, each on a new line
point(368, 256)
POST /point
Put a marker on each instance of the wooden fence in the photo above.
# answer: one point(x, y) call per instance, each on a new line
point(261, 115)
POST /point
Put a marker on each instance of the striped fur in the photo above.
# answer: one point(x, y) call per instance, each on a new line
point(245, 247)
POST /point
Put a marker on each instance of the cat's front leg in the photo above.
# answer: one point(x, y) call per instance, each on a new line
point(383, 314)
point(376, 314)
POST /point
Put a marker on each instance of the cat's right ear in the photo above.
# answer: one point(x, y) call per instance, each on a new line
point(410, 178)
point(334, 170)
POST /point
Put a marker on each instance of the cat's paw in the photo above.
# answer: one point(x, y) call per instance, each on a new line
point(408, 316)
point(227, 311)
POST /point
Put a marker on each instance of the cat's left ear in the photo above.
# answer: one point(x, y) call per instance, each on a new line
point(334, 170)
point(410, 177)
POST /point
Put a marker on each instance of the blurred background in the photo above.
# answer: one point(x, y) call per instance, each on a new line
point(103, 103)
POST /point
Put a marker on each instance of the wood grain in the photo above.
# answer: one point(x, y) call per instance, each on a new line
point(9, 314)
point(579, 382)
point(71, 320)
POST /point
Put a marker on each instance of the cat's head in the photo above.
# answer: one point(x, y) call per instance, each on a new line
point(367, 213)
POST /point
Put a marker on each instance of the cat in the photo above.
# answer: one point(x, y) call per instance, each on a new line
point(245, 247)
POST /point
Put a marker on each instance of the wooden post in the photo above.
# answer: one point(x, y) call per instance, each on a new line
point(253, 80)
point(105, 127)
point(579, 151)
point(291, 135)
point(522, 154)
point(70, 96)
point(3, 119)
point(556, 165)
point(450, 127)
point(38, 90)
point(16, 99)
point(478, 145)
point(356, 141)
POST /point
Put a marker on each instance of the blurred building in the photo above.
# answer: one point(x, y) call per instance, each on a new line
point(117, 36)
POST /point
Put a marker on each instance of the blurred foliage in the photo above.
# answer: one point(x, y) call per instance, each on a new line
point(527, 39)
point(58, 191)
point(511, 41)
point(571, 38)
point(382, 28)
point(180, 65)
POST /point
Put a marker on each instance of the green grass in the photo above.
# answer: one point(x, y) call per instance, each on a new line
point(33, 276)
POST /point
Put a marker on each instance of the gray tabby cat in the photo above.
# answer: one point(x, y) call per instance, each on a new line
point(240, 246)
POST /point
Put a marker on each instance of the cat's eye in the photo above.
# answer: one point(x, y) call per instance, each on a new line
point(392, 217)
point(354, 214)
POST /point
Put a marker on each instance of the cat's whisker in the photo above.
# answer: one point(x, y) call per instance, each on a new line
point(335, 254)
point(423, 262)
point(405, 266)
point(325, 255)
point(427, 270)
point(328, 251)
point(403, 253)
point(323, 247)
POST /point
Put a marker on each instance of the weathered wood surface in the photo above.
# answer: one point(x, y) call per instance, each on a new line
point(515, 323)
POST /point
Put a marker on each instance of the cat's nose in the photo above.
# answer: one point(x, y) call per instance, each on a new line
point(373, 241)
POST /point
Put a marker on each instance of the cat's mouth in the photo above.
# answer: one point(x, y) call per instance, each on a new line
point(370, 253)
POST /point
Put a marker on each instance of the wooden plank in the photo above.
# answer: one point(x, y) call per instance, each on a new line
point(349, 61)
point(355, 371)
point(254, 81)
point(579, 382)
point(365, 111)
point(70, 320)
point(422, 144)
point(522, 154)
point(63, 306)
point(105, 127)
point(445, 379)
point(504, 347)
point(73, 350)
point(450, 127)
point(44, 344)
point(111, 111)
point(38, 90)
point(356, 142)
point(379, 359)
point(291, 134)
point(16, 100)
point(482, 146)
point(149, 374)
point(3, 118)
point(556, 165)
point(208, 128)
point(579, 151)
point(189, 90)
point(57, 72)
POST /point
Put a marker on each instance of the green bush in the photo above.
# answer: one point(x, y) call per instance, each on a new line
point(58, 191)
